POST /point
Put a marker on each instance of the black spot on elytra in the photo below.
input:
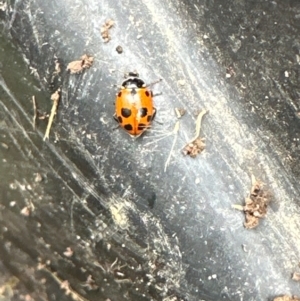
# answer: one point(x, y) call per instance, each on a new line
point(120, 119)
point(143, 112)
point(149, 118)
point(128, 127)
point(126, 112)
point(141, 126)
point(147, 93)
point(120, 94)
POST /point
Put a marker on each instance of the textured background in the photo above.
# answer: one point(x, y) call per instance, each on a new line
point(106, 196)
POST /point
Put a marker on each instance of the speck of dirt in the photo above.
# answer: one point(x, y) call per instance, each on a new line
point(119, 49)
point(256, 204)
point(194, 148)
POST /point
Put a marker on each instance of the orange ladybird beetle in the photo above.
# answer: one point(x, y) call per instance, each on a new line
point(134, 110)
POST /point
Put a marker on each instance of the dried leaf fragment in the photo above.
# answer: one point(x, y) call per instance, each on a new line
point(105, 30)
point(255, 205)
point(85, 62)
point(194, 148)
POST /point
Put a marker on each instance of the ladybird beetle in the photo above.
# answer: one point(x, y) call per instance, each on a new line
point(134, 110)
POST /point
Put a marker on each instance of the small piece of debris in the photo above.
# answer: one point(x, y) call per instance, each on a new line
point(244, 247)
point(7, 288)
point(85, 62)
point(119, 49)
point(139, 37)
point(3, 6)
point(43, 116)
point(287, 298)
point(27, 210)
point(230, 72)
point(255, 205)
point(55, 97)
point(296, 276)
point(13, 186)
point(105, 30)
point(27, 297)
point(69, 252)
point(57, 67)
point(65, 285)
point(196, 145)
point(4, 145)
point(90, 283)
point(118, 212)
point(34, 112)
point(181, 82)
point(38, 178)
point(194, 148)
point(179, 112)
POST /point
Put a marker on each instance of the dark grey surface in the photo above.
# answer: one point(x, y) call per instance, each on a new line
point(107, 196)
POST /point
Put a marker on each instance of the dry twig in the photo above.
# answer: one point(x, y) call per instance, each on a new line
point(55, 97)
point(34, 112)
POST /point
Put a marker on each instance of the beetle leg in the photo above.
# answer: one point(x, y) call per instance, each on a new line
point(153, 83)
point(154, 113)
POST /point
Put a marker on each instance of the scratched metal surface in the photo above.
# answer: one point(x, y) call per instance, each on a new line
point(106, 196)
